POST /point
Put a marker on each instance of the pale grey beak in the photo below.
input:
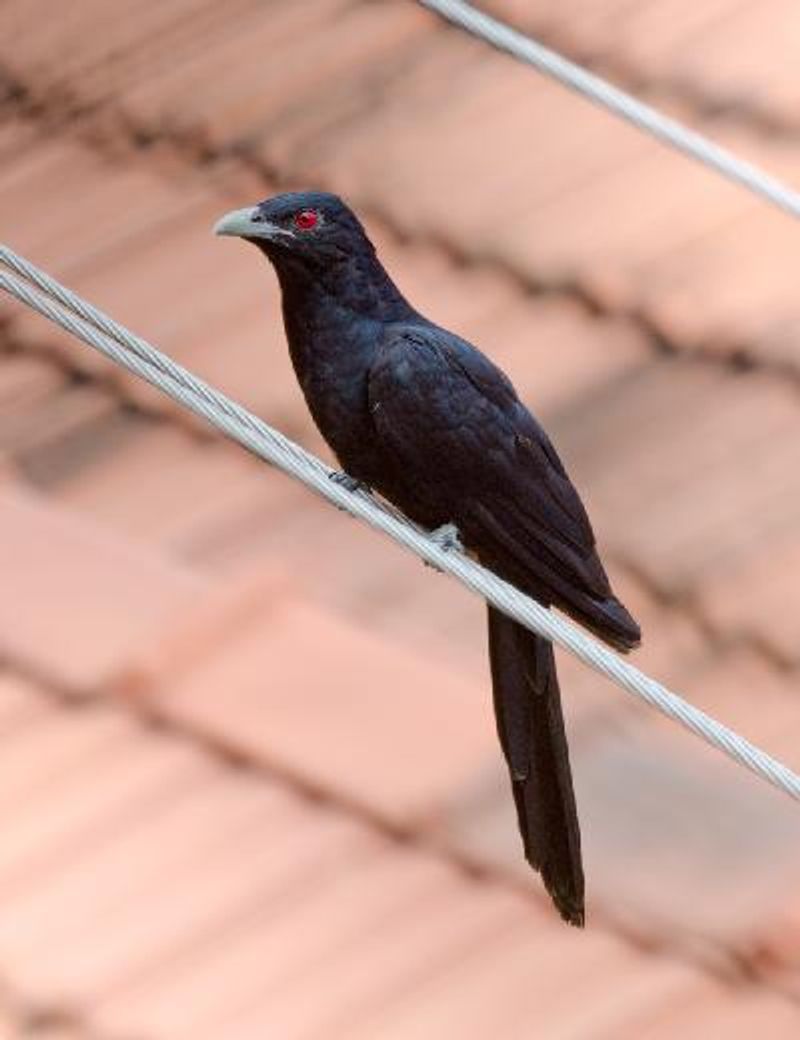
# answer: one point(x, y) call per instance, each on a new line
point(248, 223)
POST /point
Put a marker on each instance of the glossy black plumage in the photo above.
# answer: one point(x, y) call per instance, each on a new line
point(421, 416)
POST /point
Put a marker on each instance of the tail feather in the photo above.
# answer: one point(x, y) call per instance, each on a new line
point(530, 726)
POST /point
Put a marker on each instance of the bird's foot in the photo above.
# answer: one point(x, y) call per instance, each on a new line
point(350, 483)
point(447, 537)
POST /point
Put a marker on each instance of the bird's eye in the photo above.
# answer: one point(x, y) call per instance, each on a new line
point(306, 219)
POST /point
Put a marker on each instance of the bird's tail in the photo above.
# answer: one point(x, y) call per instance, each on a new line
point(527, 703)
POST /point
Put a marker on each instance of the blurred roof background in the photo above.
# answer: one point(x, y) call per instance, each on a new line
point(248, 773)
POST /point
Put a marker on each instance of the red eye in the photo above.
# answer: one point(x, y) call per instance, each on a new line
point(306, 219)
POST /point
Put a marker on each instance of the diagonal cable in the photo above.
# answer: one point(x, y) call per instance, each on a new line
point(601, 92)
point(42, 293)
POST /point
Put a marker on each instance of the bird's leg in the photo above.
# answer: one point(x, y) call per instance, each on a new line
point(447, 537)
point(350, 483)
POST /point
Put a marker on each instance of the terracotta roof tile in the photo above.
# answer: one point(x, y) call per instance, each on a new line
point(269, 960)
point(696, 48)
point(490, 988)
point(19, 703)
point(681, 524)
point(89, 879)
point(368, 973)
point(747, 287)
point(311, 47)
point(99, 48)
point(760, 601)
point(59, 1032)
point(144, 821)
point(16, 134)
point(390, 734)
point(127, 199)
point(49, 441)
point(197, 487)
point(776, 955)
point(263, 873)
point(25, 381)
point(155, 853)
point(722, 1011)
point(86, 601)
point(751, 695)
point(134, 776)
point(50, 743)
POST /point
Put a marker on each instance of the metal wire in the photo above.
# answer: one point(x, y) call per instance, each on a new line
point(42, 293)
point(629, 108)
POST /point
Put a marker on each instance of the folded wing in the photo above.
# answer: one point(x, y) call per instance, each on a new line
point(451, 420)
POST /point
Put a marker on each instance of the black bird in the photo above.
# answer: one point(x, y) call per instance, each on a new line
point(421, 416)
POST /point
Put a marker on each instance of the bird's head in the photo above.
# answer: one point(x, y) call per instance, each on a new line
point(312, 228)
point(317, 245)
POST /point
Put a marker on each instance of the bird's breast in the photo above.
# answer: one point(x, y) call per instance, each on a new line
point(332, 359)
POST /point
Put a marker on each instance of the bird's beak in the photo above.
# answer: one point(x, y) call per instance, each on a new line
point(249, 223)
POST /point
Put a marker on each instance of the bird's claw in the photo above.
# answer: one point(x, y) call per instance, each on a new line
point(349, 483)
point(448, 538)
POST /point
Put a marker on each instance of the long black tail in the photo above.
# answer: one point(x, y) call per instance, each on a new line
point(527, 704)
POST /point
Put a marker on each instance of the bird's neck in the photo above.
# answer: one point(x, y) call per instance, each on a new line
point(332, 313)
point(333, 320)
point(358, 284)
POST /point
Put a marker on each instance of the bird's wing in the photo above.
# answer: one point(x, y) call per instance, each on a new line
point(452, 421)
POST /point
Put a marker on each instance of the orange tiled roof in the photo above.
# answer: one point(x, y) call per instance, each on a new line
point(248, 773)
